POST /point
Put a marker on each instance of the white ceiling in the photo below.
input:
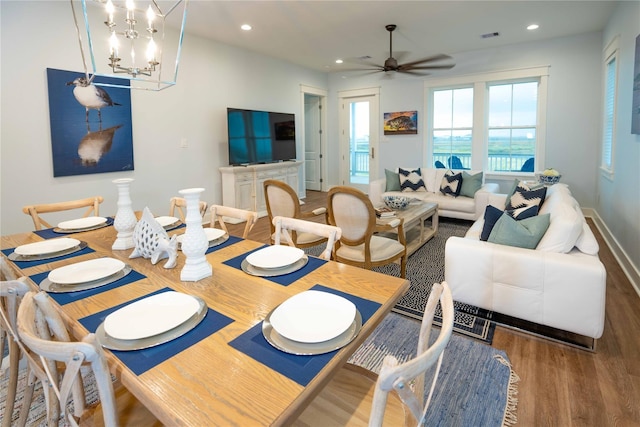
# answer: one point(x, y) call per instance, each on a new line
point(315, 33)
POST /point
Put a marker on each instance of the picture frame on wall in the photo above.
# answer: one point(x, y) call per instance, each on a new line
point(635, 107)
point(401, 123)
point(91, 129)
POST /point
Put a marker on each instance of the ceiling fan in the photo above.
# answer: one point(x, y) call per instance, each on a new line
point(391, 64)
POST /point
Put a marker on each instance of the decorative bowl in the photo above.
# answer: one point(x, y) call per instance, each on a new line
point(549, 179)
point(397, 202)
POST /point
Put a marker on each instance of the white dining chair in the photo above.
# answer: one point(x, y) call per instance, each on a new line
point(46, 342)
point(285, 227)
point(179, 205)
point(219, 213)
point(396, 397)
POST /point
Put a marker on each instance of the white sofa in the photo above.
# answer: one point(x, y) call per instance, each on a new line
point(461, 207)
point(561, 283)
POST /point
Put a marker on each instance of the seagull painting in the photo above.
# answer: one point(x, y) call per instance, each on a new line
point(91, 96)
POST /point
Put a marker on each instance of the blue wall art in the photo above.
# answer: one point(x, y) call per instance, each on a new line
point(91, 129)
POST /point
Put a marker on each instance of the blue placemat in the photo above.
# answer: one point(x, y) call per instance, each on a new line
point(50, 234)
point(27, 264)
point(66, 298)
point(300, 369)
point(286, 279)
point(140, 361)
point(230, 241)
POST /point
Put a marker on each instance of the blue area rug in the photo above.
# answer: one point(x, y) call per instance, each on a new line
point(476, 385)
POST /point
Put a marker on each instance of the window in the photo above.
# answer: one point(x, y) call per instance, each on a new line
point(494, 121)
point(512, 126)
point(610, 89)
point(452, 127)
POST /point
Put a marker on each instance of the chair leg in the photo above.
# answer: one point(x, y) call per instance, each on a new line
point(14, 362)
point(27, 399)
point(403, 267)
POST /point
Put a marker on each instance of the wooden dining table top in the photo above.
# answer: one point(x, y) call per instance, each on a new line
point(211, 382)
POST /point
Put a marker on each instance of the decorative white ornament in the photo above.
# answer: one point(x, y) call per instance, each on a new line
point(195, 243)
point(125, 220)
point(152, 241)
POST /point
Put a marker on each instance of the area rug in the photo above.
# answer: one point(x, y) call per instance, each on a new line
point(426, 267)
point(476, 385)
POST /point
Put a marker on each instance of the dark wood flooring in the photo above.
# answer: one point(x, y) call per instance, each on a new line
point(562, 385)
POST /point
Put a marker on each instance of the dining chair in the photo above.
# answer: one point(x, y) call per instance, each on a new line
point(396, 396)
point(282, 200)
point(361, 243)
point(46, 343)
point(179, 204)
point(286, 227)
point(219, 213)
point(11, 293)
point(91, 203)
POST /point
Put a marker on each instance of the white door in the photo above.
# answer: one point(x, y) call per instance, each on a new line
point(312, 146)
point(359, 135)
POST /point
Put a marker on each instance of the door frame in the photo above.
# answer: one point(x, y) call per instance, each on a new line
point(322, 94)
point(374, 136)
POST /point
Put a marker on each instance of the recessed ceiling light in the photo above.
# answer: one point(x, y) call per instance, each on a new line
point(533, 27)
point(339, 61)
point(246, 27)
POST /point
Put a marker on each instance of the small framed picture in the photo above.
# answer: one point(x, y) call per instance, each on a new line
point(401, 123)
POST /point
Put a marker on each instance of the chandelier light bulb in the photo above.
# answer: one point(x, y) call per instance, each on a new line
point(113, 44)
point(151, 51)
point(110, 10)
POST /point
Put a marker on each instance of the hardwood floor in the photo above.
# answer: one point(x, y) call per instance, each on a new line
point(561, 385)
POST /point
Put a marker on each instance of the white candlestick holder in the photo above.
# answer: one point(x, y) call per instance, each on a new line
point(125, 220)
point(195, 242)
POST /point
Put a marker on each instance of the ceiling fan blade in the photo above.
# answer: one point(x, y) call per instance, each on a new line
point(439, 57)
point(428, 67)
point(413, 73)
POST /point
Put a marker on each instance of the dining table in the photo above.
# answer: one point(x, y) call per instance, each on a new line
point(223, 371)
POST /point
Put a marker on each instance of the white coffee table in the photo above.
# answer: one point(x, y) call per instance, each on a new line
point(415, 230)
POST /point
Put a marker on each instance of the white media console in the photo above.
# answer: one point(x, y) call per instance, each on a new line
point(242, 186)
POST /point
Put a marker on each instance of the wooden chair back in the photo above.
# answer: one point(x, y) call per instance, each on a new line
point(91, 203)
point(218, 213)
point(282, 200)
point(47, 343)
point(352, 211)
point(179, 205)
point(11, 294)
point(398, 377)
point(284, 226)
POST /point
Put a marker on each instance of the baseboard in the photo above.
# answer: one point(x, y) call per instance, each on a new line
point(621, 256)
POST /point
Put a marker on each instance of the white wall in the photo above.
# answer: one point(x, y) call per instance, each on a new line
point(619, 198)
point(212, 77)
point(573, 111)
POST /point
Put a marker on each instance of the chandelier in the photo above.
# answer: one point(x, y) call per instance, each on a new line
point(137, 43)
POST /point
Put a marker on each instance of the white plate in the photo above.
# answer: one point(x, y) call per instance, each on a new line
point(80, 223)
point(211, 233)
point(276, 256)
point(86, 271)
point(47, 246)
point(151, 316)
point(313, 316)
point(167, 220)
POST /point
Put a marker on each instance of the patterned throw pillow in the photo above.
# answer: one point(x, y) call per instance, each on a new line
point(523, 212)
point(524, 196)
point(411, 180)
point(451, 184)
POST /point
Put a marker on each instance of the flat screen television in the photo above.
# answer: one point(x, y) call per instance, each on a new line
point(260, 136)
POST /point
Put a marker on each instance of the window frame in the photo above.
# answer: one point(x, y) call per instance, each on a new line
point(610, 53)
point(480, 84)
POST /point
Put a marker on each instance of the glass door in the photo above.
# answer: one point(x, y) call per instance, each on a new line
point(359, 140)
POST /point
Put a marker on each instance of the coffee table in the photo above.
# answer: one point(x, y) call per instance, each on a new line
point(415, 215)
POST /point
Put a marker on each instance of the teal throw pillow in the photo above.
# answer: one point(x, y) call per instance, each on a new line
point(393, 181)
point(526, 233)
point(470, 184)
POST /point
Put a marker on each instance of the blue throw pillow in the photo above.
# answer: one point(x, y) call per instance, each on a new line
point(491, 216)
point(411, 180)
point(451, 184)
point(470, 184)
point(393, 181)
point(523, 234)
